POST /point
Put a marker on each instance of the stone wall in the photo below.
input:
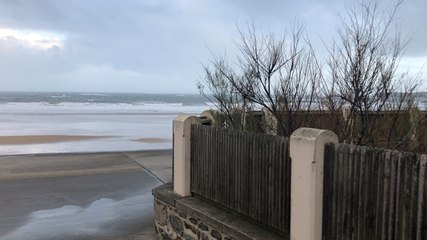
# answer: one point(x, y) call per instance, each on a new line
point(189, 218)
point(174, 224)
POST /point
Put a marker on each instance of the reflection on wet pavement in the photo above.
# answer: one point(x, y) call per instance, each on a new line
point(95, 221)
point(57, 197)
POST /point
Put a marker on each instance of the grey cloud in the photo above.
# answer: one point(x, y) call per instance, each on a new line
point(413, 17)
point(160, 39)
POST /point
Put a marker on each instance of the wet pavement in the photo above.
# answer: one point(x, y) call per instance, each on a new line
point(80, 196)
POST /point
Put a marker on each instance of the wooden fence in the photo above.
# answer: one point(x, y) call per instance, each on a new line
point(374, 194)
point(246, 172)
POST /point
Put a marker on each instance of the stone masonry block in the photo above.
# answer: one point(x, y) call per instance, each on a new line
point(160, 213)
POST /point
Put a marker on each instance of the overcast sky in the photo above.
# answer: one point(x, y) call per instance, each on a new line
point(155, 46)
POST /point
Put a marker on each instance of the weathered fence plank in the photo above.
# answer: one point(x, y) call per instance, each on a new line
point(374, 194)
point(246, 172)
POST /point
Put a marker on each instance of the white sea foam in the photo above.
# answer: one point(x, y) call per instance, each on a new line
point(98, 108)
point(95, 94)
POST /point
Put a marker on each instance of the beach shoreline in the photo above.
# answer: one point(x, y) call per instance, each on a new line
point(43, 122)
point(43, 139)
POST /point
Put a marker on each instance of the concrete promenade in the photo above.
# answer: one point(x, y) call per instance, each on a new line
point(80, 195)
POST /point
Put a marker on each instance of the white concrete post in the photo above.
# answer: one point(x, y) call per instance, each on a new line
point(270, 122)
point(181, 153)
point(209, 114)
point(306, 151)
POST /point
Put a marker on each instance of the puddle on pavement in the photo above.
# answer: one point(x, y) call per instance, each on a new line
point(104, 217)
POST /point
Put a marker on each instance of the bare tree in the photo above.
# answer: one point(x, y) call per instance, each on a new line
point(273, 73)
point(404, 117)
point(222, 94)
point(362, 96)
point(362, 71)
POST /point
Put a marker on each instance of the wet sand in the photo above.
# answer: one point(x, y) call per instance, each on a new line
point(151, 140)
point(80, 196)
point(37, 139)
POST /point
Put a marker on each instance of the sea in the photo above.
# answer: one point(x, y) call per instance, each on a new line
point(123, 121)
point(119, 121)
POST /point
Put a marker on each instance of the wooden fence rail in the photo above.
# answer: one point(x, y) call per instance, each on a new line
point(374, 194)
point(246, 172)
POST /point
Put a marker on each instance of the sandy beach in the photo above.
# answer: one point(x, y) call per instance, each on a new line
point(152, 140)
point(59, 133)
point(60, 122)
point(38, 139)
point(41, 139)
point(80, 195)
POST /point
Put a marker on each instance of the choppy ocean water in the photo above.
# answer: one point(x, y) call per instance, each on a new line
point(128, 121)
